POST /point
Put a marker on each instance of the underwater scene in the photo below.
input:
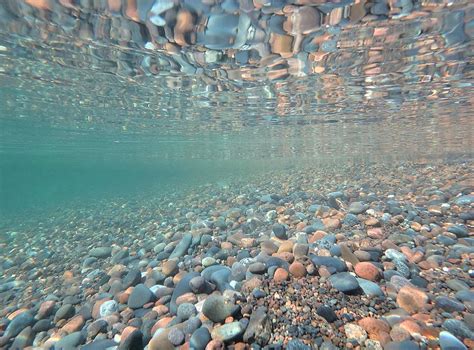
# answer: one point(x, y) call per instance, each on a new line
point(237, 174)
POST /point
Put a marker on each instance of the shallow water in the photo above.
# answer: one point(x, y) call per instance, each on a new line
point(114, 111)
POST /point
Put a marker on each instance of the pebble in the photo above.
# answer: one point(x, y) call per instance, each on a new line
point(200, 338)
point(227, 332)
point(344, 282)
point(140, 296)
point(101, 252)
point(447, 341)
point(216, 309)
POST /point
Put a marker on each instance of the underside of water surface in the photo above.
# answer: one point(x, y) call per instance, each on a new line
point(236, 174)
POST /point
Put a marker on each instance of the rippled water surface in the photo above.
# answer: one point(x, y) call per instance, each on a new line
point(119, 95)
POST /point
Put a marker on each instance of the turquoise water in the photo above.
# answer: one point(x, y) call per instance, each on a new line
point(100, 100)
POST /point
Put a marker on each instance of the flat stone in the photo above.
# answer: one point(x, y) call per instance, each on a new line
point(216, 309)
point(447, 341)
point(182, 288)
point(457, 285)
point(20, 322)
point(357, 208)
point(370, 288)
point(227, 332)
point(368, 271)
point(279, 231)
point(140, 296)
point(259, 329)
point(344, 282)
point(412, 299)
point(182, 247)
point(327, 313)
point(132, 278)
point(200, 338)
point(101, 252)
point(71, 341)
point(328, 261)
point(449, 304)
point(458, 328)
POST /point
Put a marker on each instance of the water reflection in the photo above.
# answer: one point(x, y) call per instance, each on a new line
point(281, 77)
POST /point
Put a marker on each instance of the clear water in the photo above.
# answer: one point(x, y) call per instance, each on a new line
point(97, 100)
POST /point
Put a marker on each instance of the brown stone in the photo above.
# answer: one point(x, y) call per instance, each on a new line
point(45, 309)
point(412, 299)
point(170, 267)
point(297, 269)
point(280, 275)
point(74, 324)
point(251, 284)
point(269, 247)
point(375, 233)
point(399, 334)
point(285, 256)
point(215, 345)
point(286, 247)
point(187, 298)
point(368, 271)
point(331, 224)
point(348, 255)
point(374, 325)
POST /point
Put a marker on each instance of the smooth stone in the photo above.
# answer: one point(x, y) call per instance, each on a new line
point(227, 332)
point(350, 220)
point(357, 208)
point(70, 342)
point(449, 304)
point(393, 254)
point(279, 231)
point(344, 282)
point(20, 322)
point(42, 325)
point(447, 341)
point(457, 285)
point(23, 339)
point(140, 296)
point(257, 268)
point(132, 278)
point(459, 231)
point(328, 261)
point(216, 309)
point(327, 313)
point(182, 246)
point(64, 312)
point(96, 327)
point(185, 311)
point(200, 338)
point(465, 295)
point(134, 341)
point(259, 329)
point(464, 200)
point(108, 308)
point(182, 288)
point(370, 288)
point(101, 252)
point(458, 328)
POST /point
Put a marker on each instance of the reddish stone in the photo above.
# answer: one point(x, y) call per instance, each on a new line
point(375, 233)
point(374, 325)
point(368, 271)
point(280, 275)
point(412, 299)
point(297, 269)
point(126, 332)
point(215, 345)
point(74, 324)
point(46, 309)
point(169, 268)
point(187, 298)
point(288, 257)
